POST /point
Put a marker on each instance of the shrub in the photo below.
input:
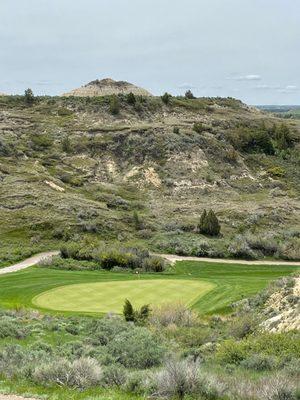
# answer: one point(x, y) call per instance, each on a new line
point(29, 97)
point(199, 127)
point(114, 375)
point(128, 311)
point(81, 373)
point(209, 224)
point(189, 95)
point(290, 250)
point(136, 349)
point(135, 383)
point(252, 140)
point(176, 130)
point(283, 137)
point(66, 145)
point(137, 316)
point(276, 172)
point(178, 379)
point(9, 328)
point(41, 141)
point(242, 326)
point(130, 98)
point(173, 314)
point(154, 264)
point(114, 105)
point(260, 362)
point(239, 248)
point(231, 352)
point(166, 98)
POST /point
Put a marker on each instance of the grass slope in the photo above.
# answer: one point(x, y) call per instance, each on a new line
point(110, 297)
point(232, 282)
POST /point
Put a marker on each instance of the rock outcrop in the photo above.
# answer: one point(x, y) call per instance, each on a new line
point(284, 307)
point(107, 87)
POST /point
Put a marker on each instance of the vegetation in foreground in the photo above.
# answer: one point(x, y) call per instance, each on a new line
point(169, 353)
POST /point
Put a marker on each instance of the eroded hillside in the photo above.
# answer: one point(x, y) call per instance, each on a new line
point(144, 172)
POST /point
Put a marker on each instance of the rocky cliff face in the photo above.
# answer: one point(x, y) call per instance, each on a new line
point(283, 306)
point(107, 87)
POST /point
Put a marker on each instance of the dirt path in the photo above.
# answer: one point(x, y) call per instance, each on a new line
point(173, 258)
point(28, 263)
point(170, 257)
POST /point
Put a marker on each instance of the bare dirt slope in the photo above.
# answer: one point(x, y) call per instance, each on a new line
point(106, 87)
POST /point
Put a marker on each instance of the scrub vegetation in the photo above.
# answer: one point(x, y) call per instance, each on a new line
point(110, 182)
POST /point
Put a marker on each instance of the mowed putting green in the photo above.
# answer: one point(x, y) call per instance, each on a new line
point(110, 296)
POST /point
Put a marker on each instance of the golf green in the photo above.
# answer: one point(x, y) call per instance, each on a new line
point(110, 296)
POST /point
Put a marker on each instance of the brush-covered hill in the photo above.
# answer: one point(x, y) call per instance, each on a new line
point(142, 171)
point(107, 87)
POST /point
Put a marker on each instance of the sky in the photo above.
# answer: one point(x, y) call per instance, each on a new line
point(247, 49)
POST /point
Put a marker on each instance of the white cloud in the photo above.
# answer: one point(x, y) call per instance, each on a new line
point(278, 88)
point(249, 77)
point(291, 87)
point(186, 86)
point(288, 89)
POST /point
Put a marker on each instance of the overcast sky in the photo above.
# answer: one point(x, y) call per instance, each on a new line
point(249, 49)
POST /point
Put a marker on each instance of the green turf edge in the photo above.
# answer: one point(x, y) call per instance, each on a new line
point(190, 303)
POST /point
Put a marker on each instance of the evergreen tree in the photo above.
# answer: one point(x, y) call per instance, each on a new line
point(202, 223)
point(29, 97)
point(209, 224)
point(189, 95)
point(213, 224)
point(145, 312)
point(128, 311)
point(131, 98)
point(114, 105)
point(166, 98)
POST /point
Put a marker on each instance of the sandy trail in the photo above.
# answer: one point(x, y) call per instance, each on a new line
point(170, 257)
point(29, 262)
point(173, 258)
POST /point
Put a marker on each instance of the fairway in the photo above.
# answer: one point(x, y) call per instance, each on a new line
point(110, 296)
point(209, 288)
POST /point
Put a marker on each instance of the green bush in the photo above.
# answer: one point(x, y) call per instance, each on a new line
point(12, 329)
point(82, 373)
point(136, 349)
point(130, 98)
point(41, 141)
point(189, 95)
point(277, 172)
point(29, 97)
point(166, 98)
point(153, 264)
point(209, 224)
point(260, 362)
point(114, 375)
point(114, 105)
point(281, 345)
point(199, 127)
